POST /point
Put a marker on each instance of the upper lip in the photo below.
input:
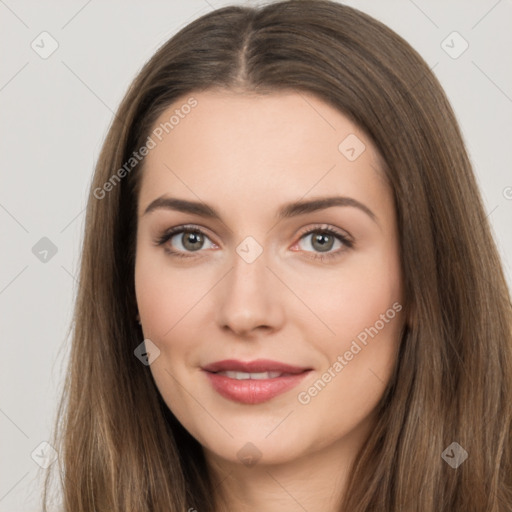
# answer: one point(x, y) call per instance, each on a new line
point(256, 366)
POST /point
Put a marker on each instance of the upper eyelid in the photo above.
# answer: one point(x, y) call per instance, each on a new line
point(326, 227)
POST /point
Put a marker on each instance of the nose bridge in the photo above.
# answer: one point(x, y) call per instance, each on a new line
point(249, 298)
point(250, 266)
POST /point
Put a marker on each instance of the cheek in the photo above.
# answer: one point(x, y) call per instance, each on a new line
point(164, 295)
point(367, 320)
point(358, 360)
point(354, 296)
point(361, 303)
point(167, 300)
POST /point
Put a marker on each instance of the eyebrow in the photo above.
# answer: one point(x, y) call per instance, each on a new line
point(287, 211)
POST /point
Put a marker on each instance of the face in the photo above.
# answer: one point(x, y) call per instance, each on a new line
point(242, 275)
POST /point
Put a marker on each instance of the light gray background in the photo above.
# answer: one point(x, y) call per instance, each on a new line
point(55, 114)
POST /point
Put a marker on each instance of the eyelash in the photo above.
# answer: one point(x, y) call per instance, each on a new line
point(190, 228)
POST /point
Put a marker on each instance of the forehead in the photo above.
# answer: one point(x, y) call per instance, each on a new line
point(257, 147)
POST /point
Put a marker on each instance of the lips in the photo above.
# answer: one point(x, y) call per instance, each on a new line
point(253, 382)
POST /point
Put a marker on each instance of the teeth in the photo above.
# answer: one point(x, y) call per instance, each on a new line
point(255, 376)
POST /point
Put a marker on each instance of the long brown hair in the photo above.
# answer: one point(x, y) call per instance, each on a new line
point(120, 447)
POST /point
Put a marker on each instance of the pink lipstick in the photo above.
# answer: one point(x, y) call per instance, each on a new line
point(253, 382)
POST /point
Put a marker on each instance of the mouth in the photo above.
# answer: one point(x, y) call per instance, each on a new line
point(252, 376)
point(253, 382)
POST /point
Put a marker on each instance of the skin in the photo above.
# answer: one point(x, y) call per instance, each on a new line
point(246, 155)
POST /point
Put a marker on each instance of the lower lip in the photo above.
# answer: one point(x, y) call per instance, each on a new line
point(253, 391)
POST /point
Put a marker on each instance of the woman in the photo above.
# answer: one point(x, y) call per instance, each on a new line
point(289, 294)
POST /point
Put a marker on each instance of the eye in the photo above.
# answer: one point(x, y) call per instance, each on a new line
point(183, 240)
point(324, 238)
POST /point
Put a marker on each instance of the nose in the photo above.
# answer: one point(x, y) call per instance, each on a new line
point(250, 298)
